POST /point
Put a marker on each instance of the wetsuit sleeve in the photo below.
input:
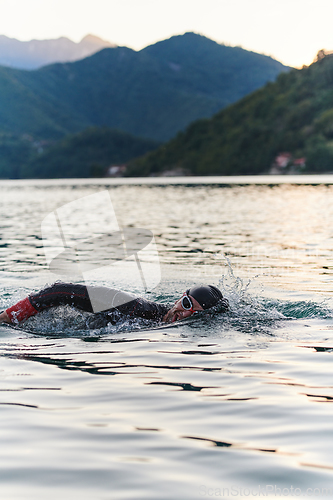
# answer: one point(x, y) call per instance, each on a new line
point(141, 308)
point(21, 311)
point(51, 296)
point(60, 294)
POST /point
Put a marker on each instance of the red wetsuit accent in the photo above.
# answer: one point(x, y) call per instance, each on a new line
point(21, 311)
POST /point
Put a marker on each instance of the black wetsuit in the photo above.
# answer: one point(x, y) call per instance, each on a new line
point(77, 295)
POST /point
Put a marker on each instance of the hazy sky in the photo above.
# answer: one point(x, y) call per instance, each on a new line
point(292, 31)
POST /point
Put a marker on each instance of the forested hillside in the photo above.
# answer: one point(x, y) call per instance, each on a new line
point(292, 115)
point(85, 154)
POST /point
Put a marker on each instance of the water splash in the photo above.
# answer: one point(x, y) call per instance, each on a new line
point(245, 302)
point(68, 321)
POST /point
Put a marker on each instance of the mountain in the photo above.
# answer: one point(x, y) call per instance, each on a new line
point(85, 154)
point(291, 118)
point(153, 93)
point(37, 53)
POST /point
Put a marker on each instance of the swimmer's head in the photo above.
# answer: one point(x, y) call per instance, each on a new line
point(206, 295)
point(195, 299)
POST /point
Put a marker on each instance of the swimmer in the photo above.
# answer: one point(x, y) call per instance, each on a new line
point(195, 299)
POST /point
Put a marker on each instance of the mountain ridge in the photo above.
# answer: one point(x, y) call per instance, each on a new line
point(34, 54)
point(142, 93)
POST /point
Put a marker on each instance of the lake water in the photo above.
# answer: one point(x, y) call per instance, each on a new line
point(223, 405)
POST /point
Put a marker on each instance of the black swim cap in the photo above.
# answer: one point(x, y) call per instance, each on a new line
point(207, 295)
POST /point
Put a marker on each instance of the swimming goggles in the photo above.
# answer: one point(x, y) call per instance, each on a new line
point(186, 302)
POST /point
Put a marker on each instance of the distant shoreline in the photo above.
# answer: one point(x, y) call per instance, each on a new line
point(181, 180)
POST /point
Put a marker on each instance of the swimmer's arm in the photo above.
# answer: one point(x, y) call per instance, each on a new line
point(18, 312)
point(4, 318)
point(51, 296)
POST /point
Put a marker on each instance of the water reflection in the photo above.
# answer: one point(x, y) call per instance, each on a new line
point(225, 398)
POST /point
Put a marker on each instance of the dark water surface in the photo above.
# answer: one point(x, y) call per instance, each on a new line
point(218, 406)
